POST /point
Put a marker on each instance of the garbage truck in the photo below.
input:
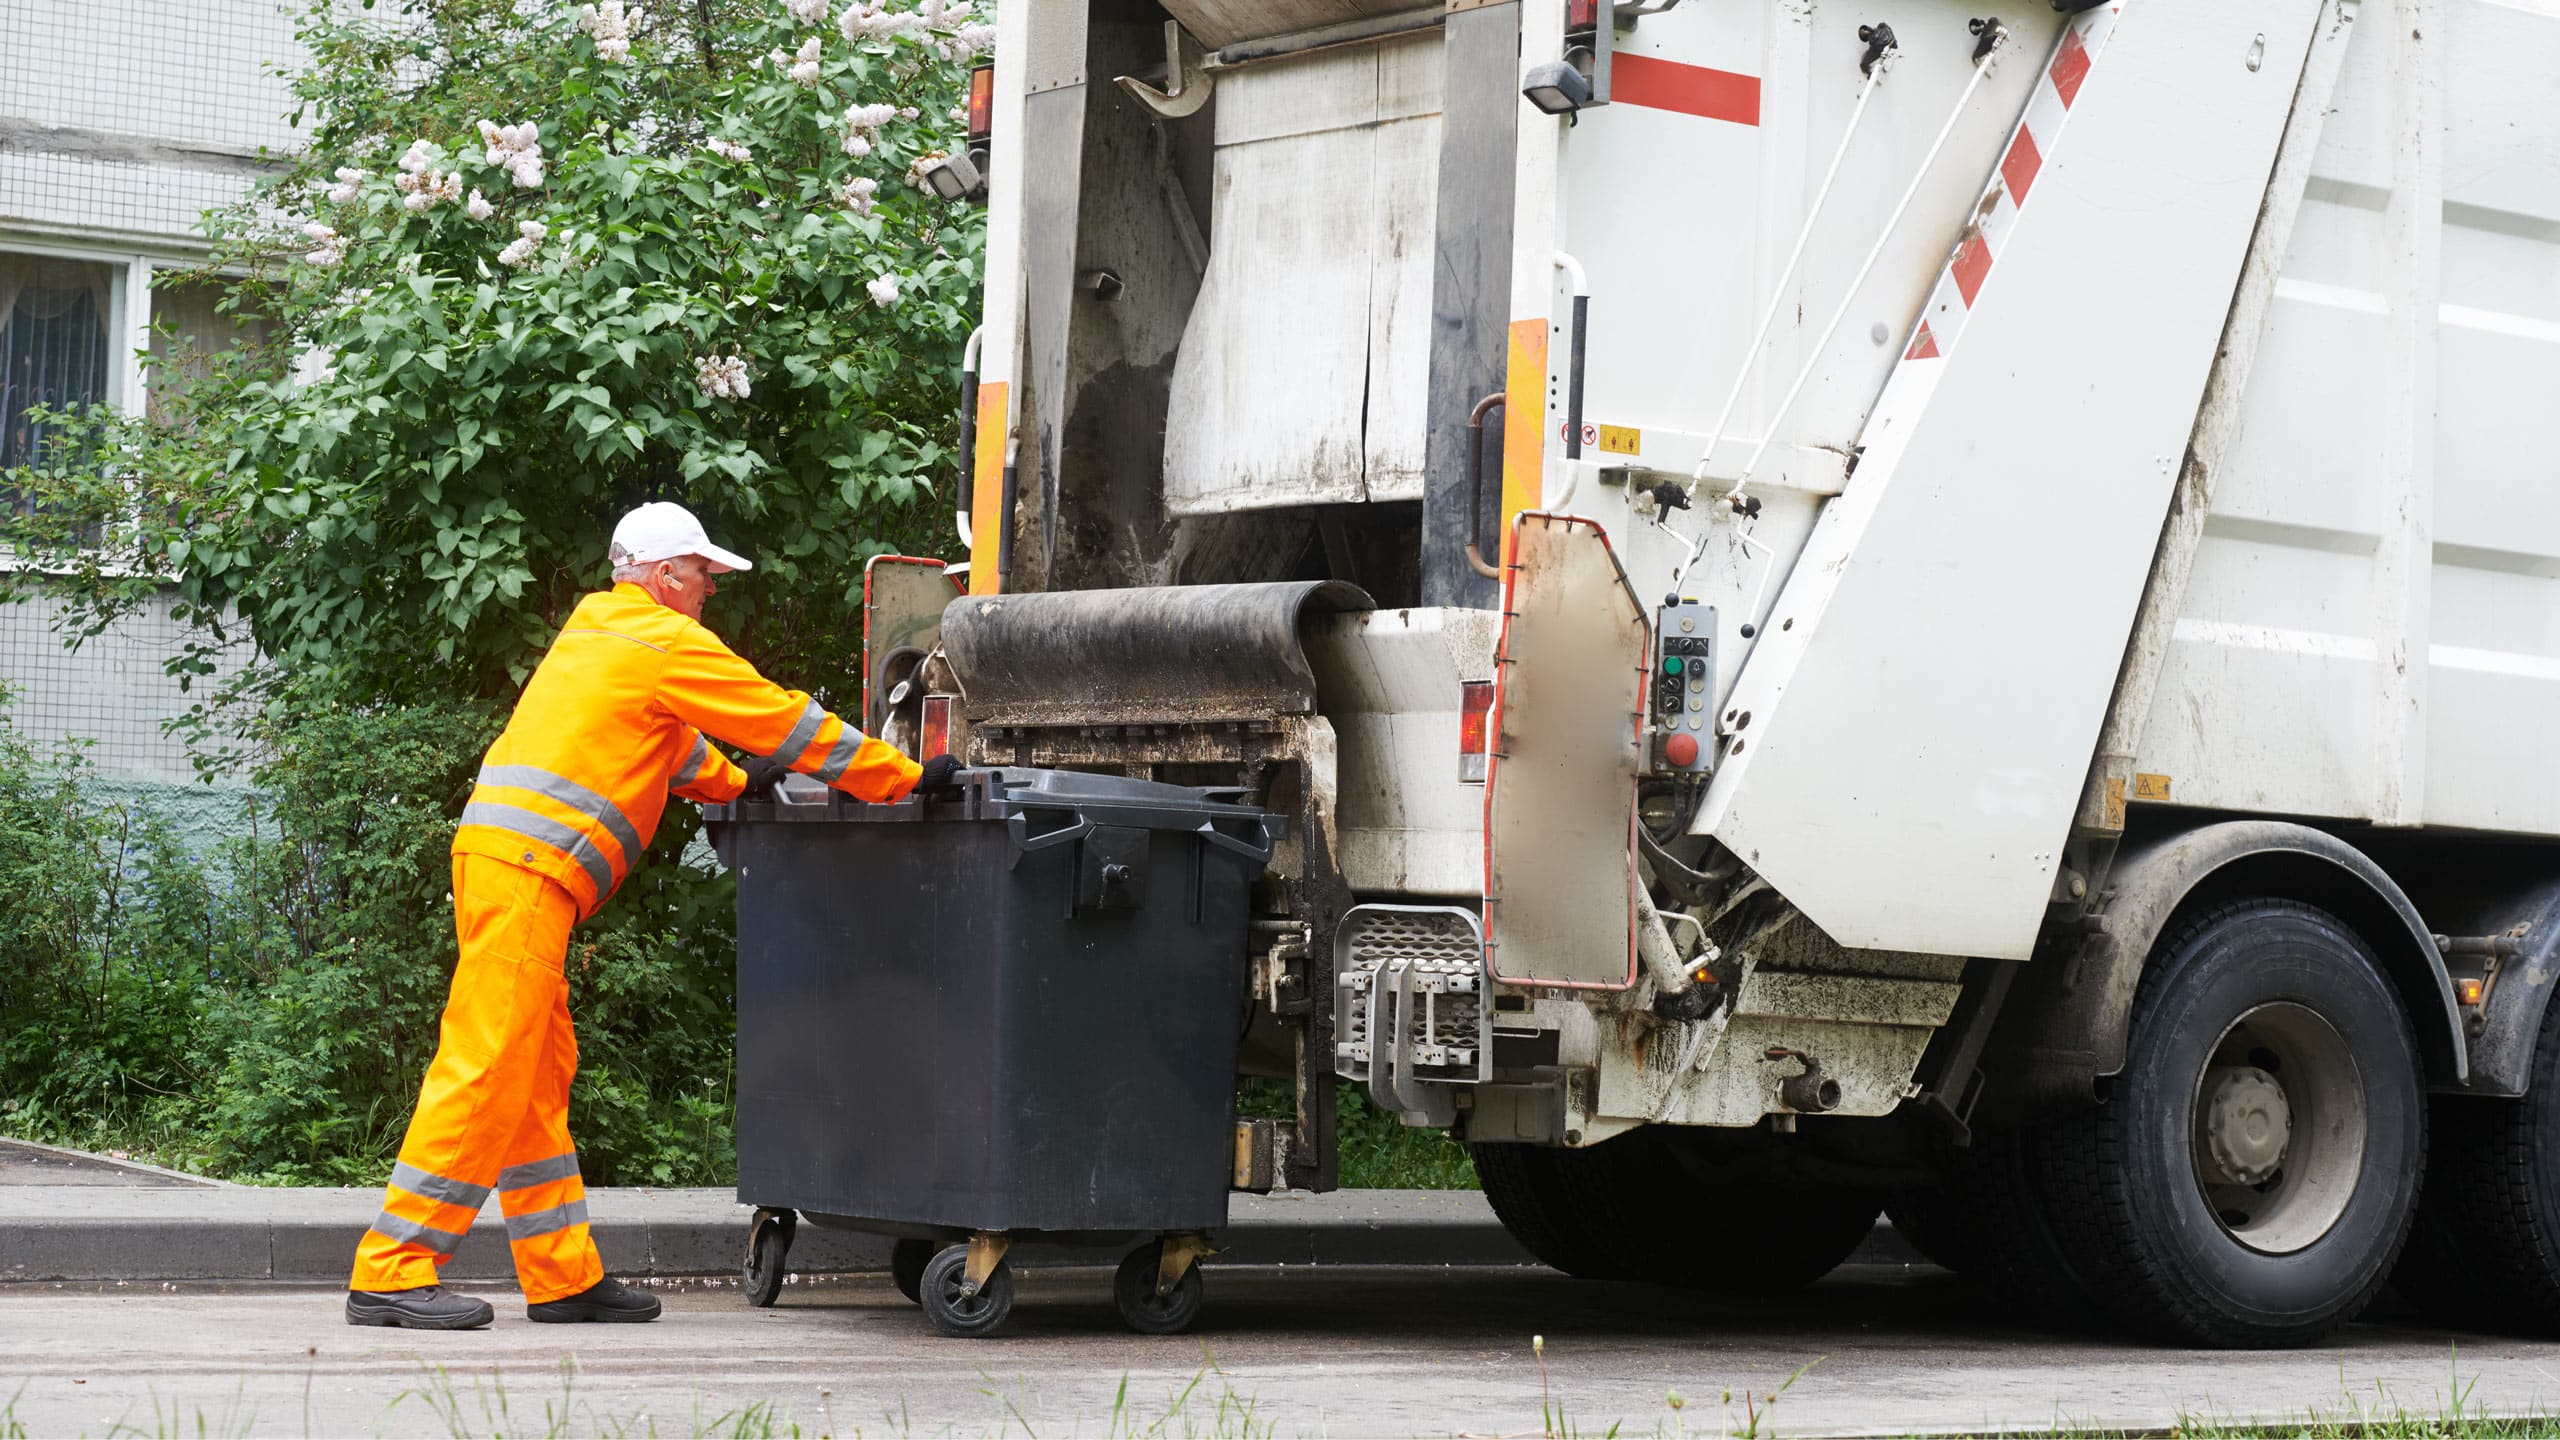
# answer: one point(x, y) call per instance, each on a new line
point(1854, 606)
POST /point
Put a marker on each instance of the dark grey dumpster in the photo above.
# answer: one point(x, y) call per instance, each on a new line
point(1003, 1015)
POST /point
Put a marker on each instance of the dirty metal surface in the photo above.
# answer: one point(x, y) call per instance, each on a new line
point(1152, 655)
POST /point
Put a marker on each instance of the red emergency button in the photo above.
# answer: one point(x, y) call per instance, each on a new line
point(1681, 750)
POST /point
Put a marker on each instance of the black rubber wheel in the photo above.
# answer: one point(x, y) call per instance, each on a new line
point(768, 1246)
point(907, 1259)
point(1985, 1220)
point(965, 1317)
point(2251, 1175)
point(1561, 1205)
point(2485, 1250)
point(1133, 1290)
point(1598, 1214)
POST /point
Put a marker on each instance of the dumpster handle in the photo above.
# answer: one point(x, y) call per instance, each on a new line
point(1017, 826)
point(1258, 854)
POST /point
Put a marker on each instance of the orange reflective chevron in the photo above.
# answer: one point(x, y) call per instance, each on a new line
point(615, 719)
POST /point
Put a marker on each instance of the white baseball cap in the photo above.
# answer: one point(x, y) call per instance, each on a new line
point(661, 530)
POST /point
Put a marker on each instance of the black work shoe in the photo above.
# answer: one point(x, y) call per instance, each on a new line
point(428, 1307)
point(608, 1299)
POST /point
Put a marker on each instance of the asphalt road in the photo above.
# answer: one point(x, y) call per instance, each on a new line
point(1302, 1352)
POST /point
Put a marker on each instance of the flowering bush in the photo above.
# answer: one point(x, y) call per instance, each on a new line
point(544, 261)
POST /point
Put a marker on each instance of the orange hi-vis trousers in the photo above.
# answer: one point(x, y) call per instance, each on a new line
point(494, 1112)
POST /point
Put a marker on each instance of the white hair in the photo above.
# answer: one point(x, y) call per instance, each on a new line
point(632, 574)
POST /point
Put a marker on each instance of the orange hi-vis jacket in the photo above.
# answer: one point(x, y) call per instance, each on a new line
point(614, 719)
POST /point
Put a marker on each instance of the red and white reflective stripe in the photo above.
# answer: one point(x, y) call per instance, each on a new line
point(1659, 84)
point(2039, 133)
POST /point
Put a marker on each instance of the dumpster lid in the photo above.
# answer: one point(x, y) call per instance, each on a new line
point(1074, 787)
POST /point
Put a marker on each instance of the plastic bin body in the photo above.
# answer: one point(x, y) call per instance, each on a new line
point(950, 1017)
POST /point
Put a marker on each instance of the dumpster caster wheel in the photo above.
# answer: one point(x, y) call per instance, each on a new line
point(1142, 1308)
point(768, 1245)
point(965, 1317)
point(907, 1259)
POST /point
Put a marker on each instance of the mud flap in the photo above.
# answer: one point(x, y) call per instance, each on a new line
point(1560, 800)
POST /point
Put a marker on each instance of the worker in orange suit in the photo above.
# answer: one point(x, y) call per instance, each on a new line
point(613, 721)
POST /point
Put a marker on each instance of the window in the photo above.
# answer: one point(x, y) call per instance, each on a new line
point(187, 330)
point(58, 322)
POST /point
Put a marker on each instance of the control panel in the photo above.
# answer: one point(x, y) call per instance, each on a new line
point(1684, 687)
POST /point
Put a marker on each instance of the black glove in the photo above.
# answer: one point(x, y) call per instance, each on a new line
point(763, 773)
point(938, 774)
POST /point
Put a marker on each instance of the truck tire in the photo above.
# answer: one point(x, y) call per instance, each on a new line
point(1546, 1198)
point(2486, 1246)
point(2251, 1175)
point(1602, 1214)
point(1985, 1220)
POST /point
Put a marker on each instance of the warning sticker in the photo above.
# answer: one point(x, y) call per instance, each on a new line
point(2150, 787)
point(1621, 439)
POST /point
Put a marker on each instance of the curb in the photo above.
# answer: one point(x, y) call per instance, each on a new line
point(101, 1235)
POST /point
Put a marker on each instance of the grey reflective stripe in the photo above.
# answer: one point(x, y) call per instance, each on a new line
point(574, 795)
point(691, 769)
point(547, 830)
point(545, 1222)
point(538, 1172)
point(618, 635)
point(840, 756)
point(801, 734)
point(410, 1232)
point(428, 1185)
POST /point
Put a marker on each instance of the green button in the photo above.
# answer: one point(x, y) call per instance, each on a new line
point(1671, 665)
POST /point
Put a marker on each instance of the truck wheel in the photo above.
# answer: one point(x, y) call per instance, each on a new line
point(965, 1317)
point(1985, 1220)
point(1793, 1236)
point(1527, 1187)
point(2486, 1245)
point(2250, 1178)
point(907, 1259)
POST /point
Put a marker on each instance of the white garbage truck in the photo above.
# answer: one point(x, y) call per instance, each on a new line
point(1858, 605)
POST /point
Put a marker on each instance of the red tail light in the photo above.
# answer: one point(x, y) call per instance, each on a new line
point(936, 739)
point(1475, 730)
point(982, 104)
point(1581, 15)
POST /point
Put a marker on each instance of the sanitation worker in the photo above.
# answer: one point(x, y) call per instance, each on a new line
point(612, 722)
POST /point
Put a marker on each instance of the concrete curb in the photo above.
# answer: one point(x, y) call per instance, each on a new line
point(244, 1233)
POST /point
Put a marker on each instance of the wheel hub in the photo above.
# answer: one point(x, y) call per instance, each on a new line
point(2248, 1124)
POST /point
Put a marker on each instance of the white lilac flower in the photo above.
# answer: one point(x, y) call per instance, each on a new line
point(870, 20)
point(726, 149)
point(973, 40)
point(856, 194)
point(856, 144)
point(516, 149)
point(807, 12)
point(804, 66)
point(350, 181)
point(429, 189)
point(611, 25)
point(328, 246)
point(478, 206)
point(884, 290)
point(526, 245)
point(923, 163)
point(417, 157)
point(315, 365)
point(722, 377)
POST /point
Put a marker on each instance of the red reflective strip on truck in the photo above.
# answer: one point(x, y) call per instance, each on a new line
point(1972, 264)
point(2070, 67)
point(1689, 89)
point(1924, 346)
point(2018, 168)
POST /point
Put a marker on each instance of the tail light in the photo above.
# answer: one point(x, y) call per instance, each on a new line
point(1580, 15)
point(1475, 730)
point(982, 104)
point(936, 736)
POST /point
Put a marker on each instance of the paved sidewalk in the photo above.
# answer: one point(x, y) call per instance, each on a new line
point(91, 1232)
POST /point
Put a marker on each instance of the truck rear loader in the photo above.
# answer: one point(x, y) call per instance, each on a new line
point(1854, 605)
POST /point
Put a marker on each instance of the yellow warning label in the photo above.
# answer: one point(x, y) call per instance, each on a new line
point(2111, 814)
point(2150, 787)
point(1621, 439)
